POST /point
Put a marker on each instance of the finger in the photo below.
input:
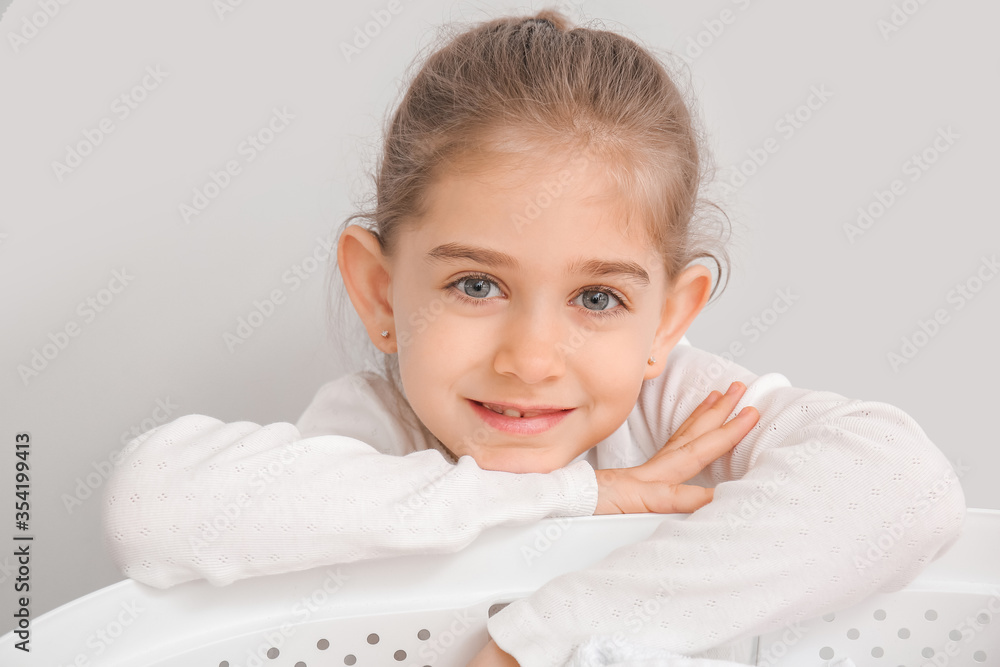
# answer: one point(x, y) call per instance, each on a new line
point(702, 408)
point(688, 498)
point(712, 418)
point(687, 460)
point(675, 499)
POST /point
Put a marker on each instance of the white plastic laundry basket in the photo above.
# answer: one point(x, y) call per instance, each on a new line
point(432, 610)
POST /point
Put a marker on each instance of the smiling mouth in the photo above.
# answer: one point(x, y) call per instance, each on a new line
point(519, 414)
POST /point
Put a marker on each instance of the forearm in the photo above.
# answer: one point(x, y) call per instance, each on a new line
point(786, 541)
point(200, 499)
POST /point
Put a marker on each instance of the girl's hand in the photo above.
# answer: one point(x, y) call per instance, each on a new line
point(493, 656)
point(655, 486)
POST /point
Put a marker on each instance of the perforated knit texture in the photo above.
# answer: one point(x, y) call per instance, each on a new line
point(804, 519)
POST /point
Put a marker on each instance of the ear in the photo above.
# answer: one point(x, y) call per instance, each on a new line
point(363, 267)
point(685, 299)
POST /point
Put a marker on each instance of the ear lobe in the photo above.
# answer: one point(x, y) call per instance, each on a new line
point(363, 268)
point(688, 295)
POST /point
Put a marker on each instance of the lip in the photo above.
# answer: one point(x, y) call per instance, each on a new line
point(520, 425)
point(521, 407)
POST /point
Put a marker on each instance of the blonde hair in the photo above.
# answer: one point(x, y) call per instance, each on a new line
point(561, 88)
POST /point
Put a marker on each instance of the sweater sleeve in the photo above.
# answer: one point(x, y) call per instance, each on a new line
point(201, 499)
point(825, 502)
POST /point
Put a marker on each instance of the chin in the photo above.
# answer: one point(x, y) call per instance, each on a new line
point(518, 460)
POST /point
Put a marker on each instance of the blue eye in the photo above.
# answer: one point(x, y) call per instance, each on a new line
point(476, 287)
point(598, 300)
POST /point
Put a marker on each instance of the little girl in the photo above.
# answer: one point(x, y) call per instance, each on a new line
point(528, 272)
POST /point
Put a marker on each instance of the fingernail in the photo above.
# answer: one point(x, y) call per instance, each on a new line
point(733, 388)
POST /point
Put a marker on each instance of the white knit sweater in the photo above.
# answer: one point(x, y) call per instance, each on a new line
point(799, 525)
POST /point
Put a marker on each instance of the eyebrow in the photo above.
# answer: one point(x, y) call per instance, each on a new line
point(451, 252)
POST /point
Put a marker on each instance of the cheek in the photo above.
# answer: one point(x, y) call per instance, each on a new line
point(420, 308)
point(437, 324)
point(612, 365)
point(417, 318)
point(612, 349)
point(614, 389)
point(435, 346)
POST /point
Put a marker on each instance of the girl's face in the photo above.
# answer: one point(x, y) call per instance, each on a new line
point(518, 290)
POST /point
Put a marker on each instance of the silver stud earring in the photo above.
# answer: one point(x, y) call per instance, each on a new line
point(385, 334)
point(652, 360)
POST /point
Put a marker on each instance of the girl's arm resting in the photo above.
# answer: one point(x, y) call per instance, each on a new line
point(200, 499)
point(826, 502)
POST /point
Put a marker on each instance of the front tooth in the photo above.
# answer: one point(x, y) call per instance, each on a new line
point(511, 413)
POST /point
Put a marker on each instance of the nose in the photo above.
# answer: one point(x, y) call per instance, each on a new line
point(530, 347)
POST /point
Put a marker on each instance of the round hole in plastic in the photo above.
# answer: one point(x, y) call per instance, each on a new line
point(826, 653)
point(424, 634)
point(979, 656)
point(983, 618)
point(323, 644)
point(930, 615)
point(350, 659)
point(955, 634)
point(903, 633)
point(373, 638)
point(928, 652)
point(272, 653)
point(399, 655)
point(877, 652)
point(853, 633)
point(224, 663)
point(879, 614)
point(829, 617)
point(300, 664)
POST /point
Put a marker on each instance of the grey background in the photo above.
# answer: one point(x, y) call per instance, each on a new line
point(161, 339)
